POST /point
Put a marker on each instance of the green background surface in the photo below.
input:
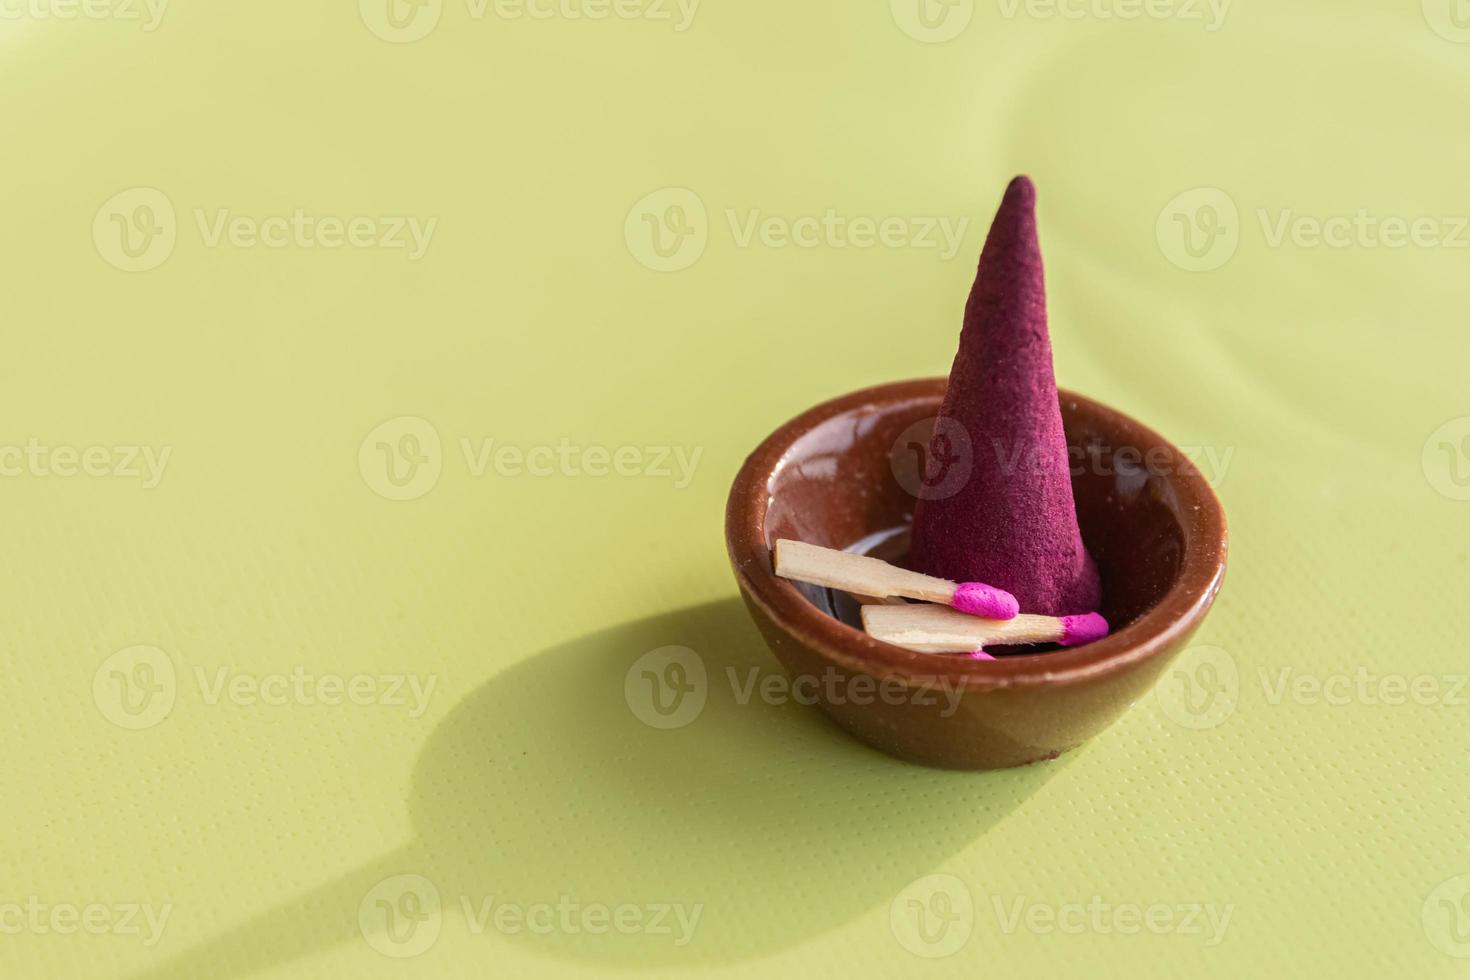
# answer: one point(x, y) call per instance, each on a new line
point(1303, 771)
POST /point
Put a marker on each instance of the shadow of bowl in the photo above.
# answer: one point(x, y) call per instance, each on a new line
point(751, 820)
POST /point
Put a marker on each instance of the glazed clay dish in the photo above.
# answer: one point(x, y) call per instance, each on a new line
point(840, 476)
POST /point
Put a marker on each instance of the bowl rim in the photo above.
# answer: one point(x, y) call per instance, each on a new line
point(1158, 631)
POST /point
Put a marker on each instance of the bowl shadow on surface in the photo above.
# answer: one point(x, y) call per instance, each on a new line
point(543, 783)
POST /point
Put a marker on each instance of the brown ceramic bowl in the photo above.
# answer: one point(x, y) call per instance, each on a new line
point(835, 476)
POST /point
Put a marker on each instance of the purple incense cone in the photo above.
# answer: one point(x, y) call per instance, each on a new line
point(1012, 524)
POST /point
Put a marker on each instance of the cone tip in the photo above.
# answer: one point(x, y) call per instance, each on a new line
point(1021, 191)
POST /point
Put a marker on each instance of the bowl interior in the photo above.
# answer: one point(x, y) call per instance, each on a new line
point(853, 479)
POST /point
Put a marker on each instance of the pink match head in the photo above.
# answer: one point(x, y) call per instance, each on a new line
point(1077, 630)
point(986, 601)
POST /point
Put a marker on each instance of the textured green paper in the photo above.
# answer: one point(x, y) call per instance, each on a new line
point(667, 242)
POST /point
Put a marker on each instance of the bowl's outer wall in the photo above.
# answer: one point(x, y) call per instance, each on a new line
point(987, 729)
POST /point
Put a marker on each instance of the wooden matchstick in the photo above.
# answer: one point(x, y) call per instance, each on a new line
point(934, 629)
point(871, 577)
point(874, 600)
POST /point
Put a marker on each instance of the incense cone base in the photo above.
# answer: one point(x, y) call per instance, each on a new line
point(840, 473)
